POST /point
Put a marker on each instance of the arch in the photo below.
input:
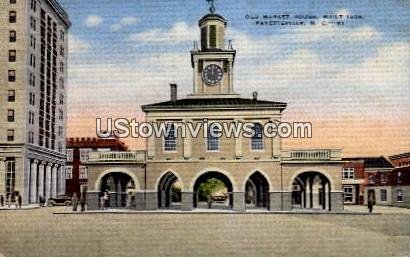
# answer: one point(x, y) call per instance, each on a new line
point(257, 190)
point(205, 176)
point(165, 172)
point(297, 173)
point(312, 190)
point(164, 190)
point(97, 184)
point(251, 173)
point(203, 171)
point(118, 187)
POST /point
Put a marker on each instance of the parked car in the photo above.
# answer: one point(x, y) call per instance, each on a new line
point(60, 200)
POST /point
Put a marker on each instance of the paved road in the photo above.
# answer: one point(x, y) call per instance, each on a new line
point(38, 232)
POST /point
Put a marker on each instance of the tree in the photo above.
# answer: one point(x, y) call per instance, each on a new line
point(210, 187)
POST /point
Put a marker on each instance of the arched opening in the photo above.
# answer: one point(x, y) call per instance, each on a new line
point(311, 190)
point(257, 191)
point(120, 188)
point(169, 191)
point(213, 190)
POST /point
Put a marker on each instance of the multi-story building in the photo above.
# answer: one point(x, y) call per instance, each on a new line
point(77, 156)
point(256, 171)
point(400, 160)
point(353, 180)
point(33, 75)
point(400, 186)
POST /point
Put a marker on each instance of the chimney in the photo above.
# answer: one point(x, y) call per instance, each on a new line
point(173, 92)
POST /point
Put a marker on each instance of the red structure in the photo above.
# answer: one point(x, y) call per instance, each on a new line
point(77, 155)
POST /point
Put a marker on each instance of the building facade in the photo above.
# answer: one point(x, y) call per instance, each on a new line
point(353, 180)
point(77, 155)
point(256, 171)
point(33, 64)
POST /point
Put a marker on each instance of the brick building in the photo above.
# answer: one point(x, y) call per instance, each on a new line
point(353, 180)
point(77, 155)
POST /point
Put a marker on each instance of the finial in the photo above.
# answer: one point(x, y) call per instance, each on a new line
point(212, 8)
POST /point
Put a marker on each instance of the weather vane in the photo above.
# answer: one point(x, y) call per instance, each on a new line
point(212, 8)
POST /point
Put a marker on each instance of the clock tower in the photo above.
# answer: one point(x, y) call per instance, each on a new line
point(213, 60)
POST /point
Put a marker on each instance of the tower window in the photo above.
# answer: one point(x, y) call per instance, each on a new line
point(203, 37)
point(170, 140)
point(200, 65)
point(12, 55)
point(12, 1)
point(13, 36)
point(212, 36)
point(225, 66)
point(12, 17)
point(10, 135)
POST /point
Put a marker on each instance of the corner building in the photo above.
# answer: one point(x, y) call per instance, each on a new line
point(256, 172)
point(33, 75)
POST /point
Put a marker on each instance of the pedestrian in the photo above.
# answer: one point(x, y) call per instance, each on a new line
point(41, 201)
point(102, 200)
point(19, 200)
point(2, 200)
point(82, 202)
point(371, 202)
point(106, 199)
point(9, 200)
point(209, 201)
point(74, 201)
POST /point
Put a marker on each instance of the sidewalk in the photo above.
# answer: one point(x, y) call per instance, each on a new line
point(14, 207)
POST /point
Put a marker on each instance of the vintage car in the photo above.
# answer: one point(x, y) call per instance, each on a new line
point(60, 200)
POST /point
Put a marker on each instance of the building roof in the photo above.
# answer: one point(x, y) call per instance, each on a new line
point(212, 16)
point(88, 142)
point(214, 103)
point(399, 156)
point(60, 11)
point(372, 162)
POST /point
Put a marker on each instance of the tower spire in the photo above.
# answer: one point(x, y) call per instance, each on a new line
point(212, 8)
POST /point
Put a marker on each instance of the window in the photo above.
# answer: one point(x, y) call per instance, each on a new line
point(203, 38)
point(61, 99)
point(12, 1)
point(12, 17)
point(11, 96)
point(170, 139)
point(12, 55)
point(10, 135)
point(60, 131)
point(61, 50)
point(371, 179)
point(10, 115)
point(10, 176)
point(399, 195)
point(83, 172)
point(33, 23)
point(62, 82)
point(383, 195)
point(31, 137)
point(68, 172)
point(33, 5)
point(399, 177)
point(348, 194)
point(348, 173)
point(70, 155)
point(257, 138)
point(62, 35)
point(61, 66)
point(213, 138)
point(32, 80)
point(33, 41)
point(60, 115)
point(12, 75)
point(32, 99)
point(60, 147)
point(383, 178)
point(212, 36)
point(32, 60)
point(12, 36)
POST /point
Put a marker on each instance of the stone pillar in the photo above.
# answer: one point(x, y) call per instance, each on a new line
point(336, 201)
point(48, 181)
point(41, 185)
point(62, 180)
point(54, 180)
point(187, 201)
point(230, 77)
point(3, 176)
point(187, 143)
point(25, 189)
point(238, 201)
point(151, 200)
point(140, 203)
point(34, 184)
point(276, 144)
point(151, 146)
point(238, 144)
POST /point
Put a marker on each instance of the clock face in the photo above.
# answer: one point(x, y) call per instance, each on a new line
point(212, 74)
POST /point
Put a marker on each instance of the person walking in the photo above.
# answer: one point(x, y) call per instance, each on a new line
point(371, 202)
point(82, 202)
point(19, 200)
point(2, 200)
point(106, 198)
point(74, 201)
point(9, 200)
point(209, 201)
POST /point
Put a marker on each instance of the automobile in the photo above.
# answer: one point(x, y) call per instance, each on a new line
point(219, 198)
point(60, 200)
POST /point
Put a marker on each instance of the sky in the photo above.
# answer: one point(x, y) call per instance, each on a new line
point(350, 81)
